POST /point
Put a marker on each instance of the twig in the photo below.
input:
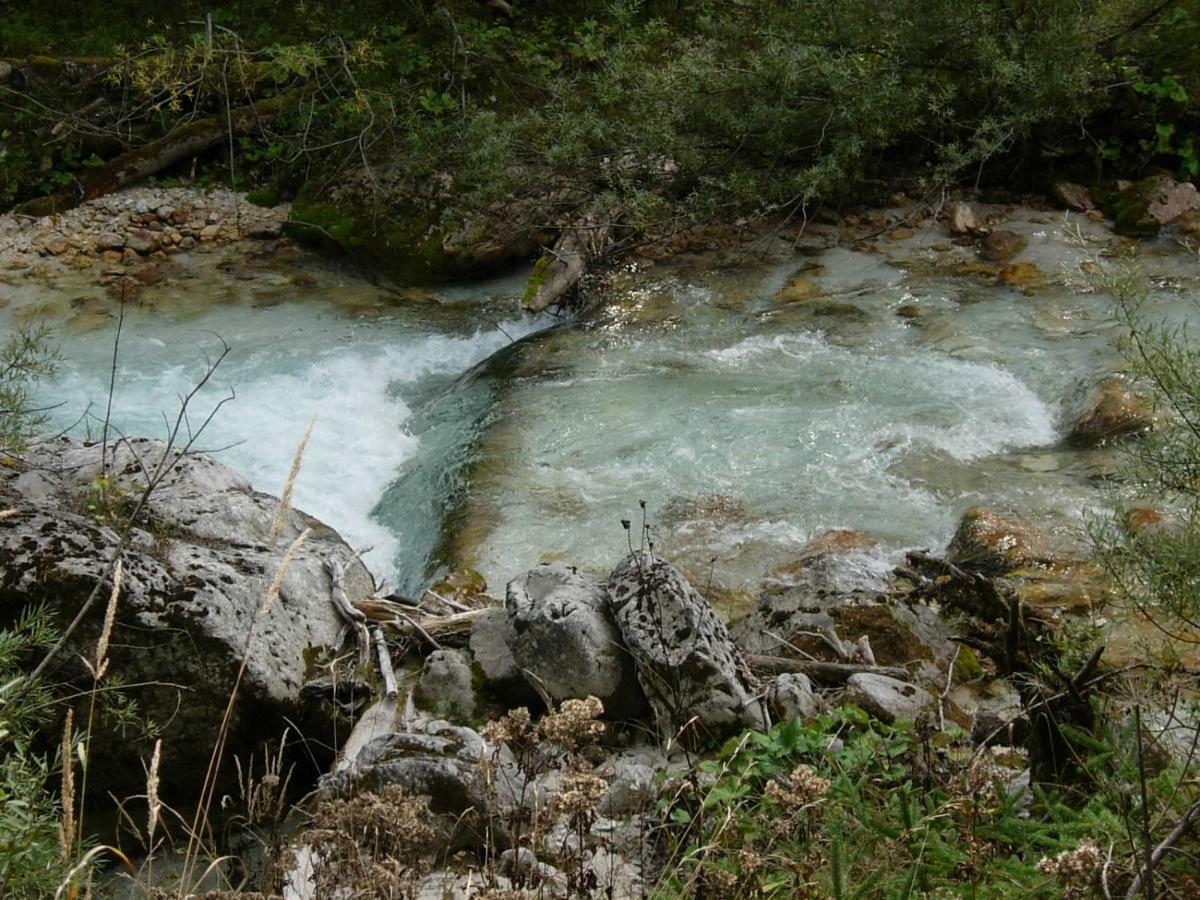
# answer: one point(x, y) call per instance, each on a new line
point(1180, 829)
point(385, 664)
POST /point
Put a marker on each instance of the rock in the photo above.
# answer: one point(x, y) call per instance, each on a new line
point(1073, 196)
point(490, 649)
point(561, 632)
point(797, 290)
point(688, 666)
point(164, 213)
point(791, 697)
point(209, 232)
point(961, 220)
point(1112, 410)
point(443, 762)
point(987, 541)
point(109, 240)
point(142, 241)
point(446, 687)
point(1024, 275)
point(196, 575)
point(57, 247)
point(1142, 208)
point(1001, 246)
point(5, 70)
point(886, 698)
point(632, 791)
point(213, 218)
point(910, 311)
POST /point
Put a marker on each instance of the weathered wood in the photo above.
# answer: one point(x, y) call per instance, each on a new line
point(825, 672)
point(385, 663)
point(562, 266)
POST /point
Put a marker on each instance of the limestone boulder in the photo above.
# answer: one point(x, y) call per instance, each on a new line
point(446, 686)
point(196, 572)
point(687, 664)
point(563, 637)
point(887, 699)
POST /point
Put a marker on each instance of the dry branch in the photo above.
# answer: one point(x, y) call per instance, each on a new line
point(826, 672)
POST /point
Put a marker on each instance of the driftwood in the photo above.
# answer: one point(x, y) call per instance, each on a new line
point(825, 672)
point(562, 266)
point(182, 143)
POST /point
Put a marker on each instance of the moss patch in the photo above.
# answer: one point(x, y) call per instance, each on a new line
point(541, 271)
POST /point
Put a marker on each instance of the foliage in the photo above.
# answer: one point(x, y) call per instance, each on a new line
point(1157, 568)
point(25, 356)
point(847, 807)
point(31, 862)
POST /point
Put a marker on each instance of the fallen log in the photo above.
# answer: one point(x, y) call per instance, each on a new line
point(182, 143)
point(562, 266)
point(825, 672)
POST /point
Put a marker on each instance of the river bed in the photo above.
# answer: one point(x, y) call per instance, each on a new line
point(900, 390)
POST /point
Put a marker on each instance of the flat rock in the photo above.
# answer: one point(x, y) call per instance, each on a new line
point(886, 698)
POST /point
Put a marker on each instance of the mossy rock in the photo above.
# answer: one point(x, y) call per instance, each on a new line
point(402, 243)
point(264, 197)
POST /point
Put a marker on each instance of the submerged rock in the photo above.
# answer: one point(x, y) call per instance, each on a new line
point(196, 571)
point(1001, 246)
point(687, 664)
point(990, 542)
point(562, 635)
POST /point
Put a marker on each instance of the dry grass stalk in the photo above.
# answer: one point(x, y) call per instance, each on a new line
point(152, 798)
point(100, 666)
point(285, 499)
point(66, 835)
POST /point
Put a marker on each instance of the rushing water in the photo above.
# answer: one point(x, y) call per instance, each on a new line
point(747, 426)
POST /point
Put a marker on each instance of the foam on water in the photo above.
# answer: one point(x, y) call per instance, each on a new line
point(287, 366)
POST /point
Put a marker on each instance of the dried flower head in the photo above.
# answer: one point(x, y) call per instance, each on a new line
point(804, 787)
point(581, 793)
point(576, 723)
point(1073, 868)
point(512, 726)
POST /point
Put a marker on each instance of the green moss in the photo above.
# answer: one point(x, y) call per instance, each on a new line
point(267, 197)
point(403, 243)
point(1128, 210)
point(541, 271)
point(967, 666)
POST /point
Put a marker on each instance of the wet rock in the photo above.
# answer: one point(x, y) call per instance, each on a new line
point(562, 634)
point(197, 570)
point(686, 662)
point(1024, 275)
point(446, 688)
point(992, 543)
point(1142, 208)
point(910, 311)
point(1073, 196)
point(1112, 410)
point(109, 240)
point(791, 697)
point(961, 220)
point(886, 698)
point(1001, 246)
point(798, 289)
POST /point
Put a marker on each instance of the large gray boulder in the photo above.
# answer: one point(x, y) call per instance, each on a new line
point(562, 636)
point(688, 666)
point(886, 698)
point(197, 567)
